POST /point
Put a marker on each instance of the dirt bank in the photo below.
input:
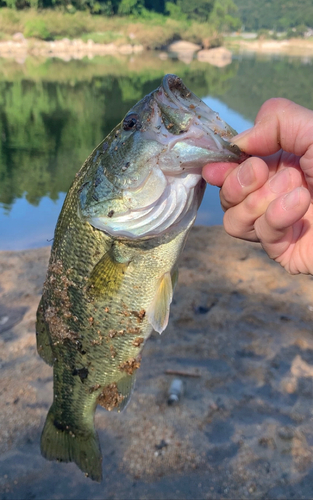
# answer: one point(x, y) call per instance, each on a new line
point(244, 426)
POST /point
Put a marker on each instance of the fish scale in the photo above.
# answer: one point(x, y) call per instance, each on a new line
point(109, 284)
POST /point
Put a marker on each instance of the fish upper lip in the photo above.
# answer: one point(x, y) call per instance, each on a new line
point(172, 82)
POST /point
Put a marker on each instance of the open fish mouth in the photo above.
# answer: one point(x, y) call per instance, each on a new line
point(167, 137)
point(191, 130)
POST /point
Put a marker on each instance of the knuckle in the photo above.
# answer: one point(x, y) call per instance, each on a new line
point(274, 104)
point(232, 225)
point(251, 204)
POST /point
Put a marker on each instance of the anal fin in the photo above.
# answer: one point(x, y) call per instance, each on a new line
point(126, 387)
point(115, 396)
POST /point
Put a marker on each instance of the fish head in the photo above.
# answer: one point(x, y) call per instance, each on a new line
point(145, 179)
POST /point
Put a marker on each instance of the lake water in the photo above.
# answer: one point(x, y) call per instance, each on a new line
point(53, 114)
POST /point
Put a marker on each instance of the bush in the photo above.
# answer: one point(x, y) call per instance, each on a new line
point(297, 32)
point(36, 28)
point(263, 34)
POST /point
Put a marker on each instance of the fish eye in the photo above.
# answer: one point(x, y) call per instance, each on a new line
point(131, 121)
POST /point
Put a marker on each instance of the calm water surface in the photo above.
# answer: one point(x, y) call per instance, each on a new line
point(53, 114)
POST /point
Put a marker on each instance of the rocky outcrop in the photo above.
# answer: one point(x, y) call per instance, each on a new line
point(64, 49)
point(184, 50)
point(219, 56)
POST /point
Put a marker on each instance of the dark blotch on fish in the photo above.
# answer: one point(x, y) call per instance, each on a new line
point(81, 372)
point(98, 180)
point(59, 425)
point(83, 186)
point(79, 347)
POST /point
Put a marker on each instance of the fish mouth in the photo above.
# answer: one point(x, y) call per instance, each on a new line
point(192, 129)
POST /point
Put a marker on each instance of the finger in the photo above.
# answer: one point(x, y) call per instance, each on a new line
point(239, 219)
point(278, 229)
point(280, 123)
point(243, 180)
point(216, 173)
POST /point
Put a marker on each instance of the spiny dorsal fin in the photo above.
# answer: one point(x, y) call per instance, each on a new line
point(159, 309)
point(107, 275)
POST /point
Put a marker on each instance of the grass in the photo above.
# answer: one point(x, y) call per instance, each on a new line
point(154, 33)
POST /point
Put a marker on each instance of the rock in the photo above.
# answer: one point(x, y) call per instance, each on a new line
point(286, 433)
point(183, 46)
point(184, 50)
point(163, 56)
point(137, 48)
point(217, 57)
point(18, 37)
point(185, 57)
point(129, 49)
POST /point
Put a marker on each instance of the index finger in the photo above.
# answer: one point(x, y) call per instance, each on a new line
point(280, 124)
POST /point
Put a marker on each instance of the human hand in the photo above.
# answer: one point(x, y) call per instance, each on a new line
point(269, 199)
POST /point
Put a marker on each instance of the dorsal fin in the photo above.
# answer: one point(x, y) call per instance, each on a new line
point(159, 309)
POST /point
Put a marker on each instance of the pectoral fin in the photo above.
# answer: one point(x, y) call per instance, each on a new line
point(159, 309)
point(106, 277)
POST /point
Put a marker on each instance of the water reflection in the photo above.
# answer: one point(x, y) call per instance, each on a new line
point(54, 113)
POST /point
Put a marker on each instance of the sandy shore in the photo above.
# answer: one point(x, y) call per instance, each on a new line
point(244, 427)
point(293, 47)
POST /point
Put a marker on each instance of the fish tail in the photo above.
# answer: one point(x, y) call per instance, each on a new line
point(62, 444)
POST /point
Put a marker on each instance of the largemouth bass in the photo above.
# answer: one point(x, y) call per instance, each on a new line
point(113, 264)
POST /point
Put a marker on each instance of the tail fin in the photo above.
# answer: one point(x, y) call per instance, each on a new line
point(65, 446)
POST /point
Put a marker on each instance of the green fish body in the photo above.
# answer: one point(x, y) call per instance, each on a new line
point(113, 264)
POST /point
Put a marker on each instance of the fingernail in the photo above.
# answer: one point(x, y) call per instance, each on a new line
point(238, 139)
point(280, 182)
point(291, 200)
point(246, 174)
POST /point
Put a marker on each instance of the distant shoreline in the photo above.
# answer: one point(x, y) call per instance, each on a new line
point(66, 49)
point(293, 46)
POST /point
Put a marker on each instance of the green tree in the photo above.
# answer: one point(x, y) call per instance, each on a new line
point(275, 14)
point(130, 7)
point(224, 16)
